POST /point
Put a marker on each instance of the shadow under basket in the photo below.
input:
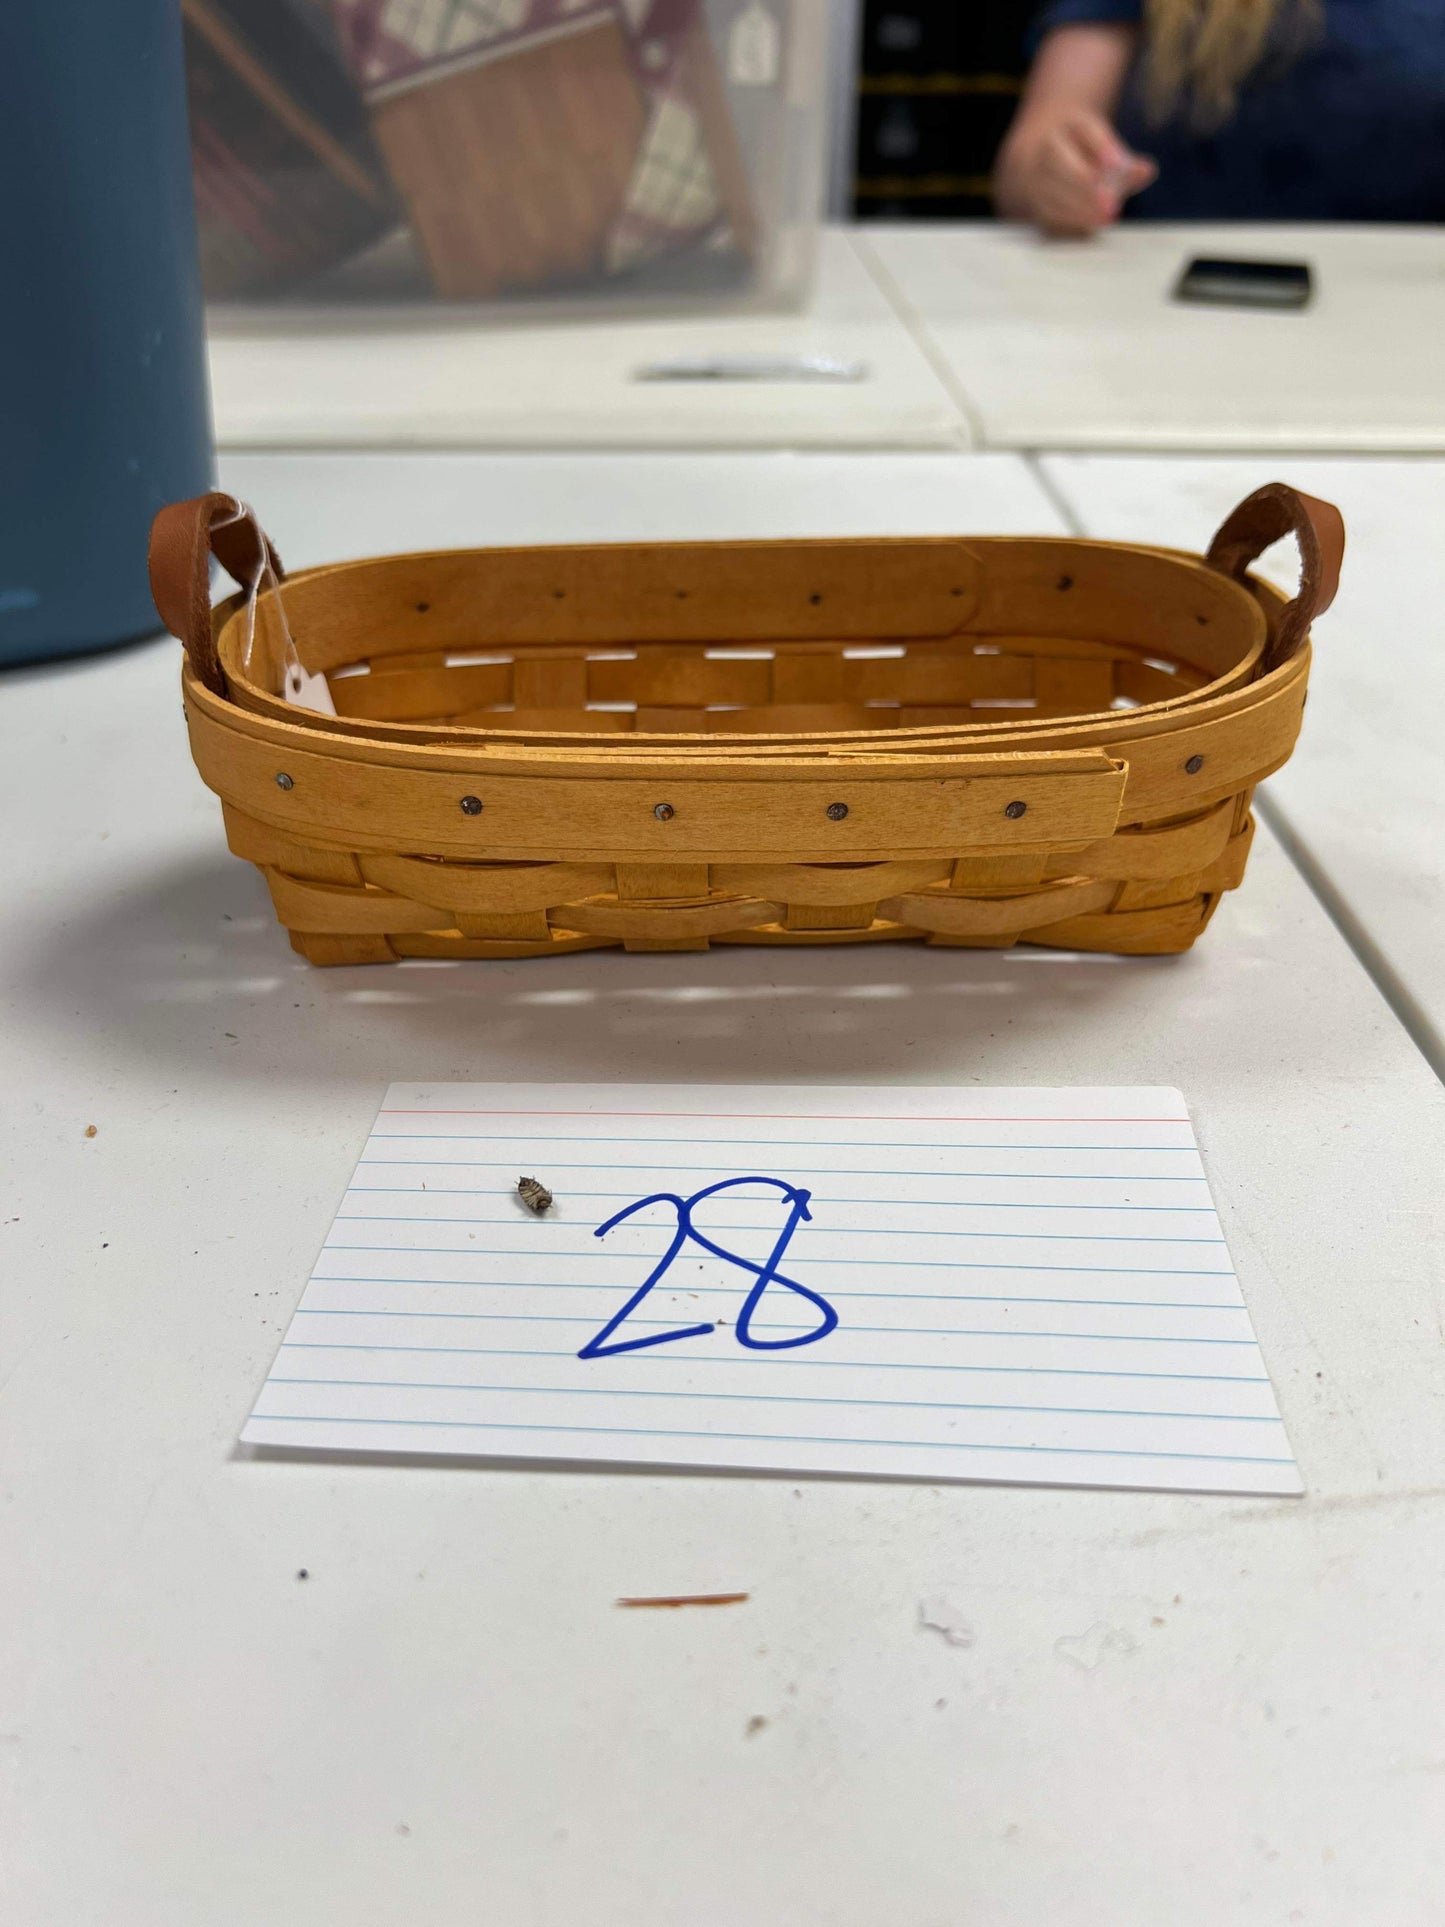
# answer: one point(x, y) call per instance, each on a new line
point(977, 742)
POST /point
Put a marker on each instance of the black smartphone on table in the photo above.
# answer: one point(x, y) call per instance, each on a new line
point(1245, 284)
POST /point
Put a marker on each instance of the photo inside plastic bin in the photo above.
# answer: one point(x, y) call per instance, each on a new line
point(486, 151)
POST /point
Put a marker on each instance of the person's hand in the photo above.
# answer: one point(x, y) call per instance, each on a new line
point(1067, 171)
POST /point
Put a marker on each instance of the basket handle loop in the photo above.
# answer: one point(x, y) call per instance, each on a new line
point(184, 537)
point(1262, 518)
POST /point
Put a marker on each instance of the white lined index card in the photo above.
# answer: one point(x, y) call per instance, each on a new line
point(1020, 1285)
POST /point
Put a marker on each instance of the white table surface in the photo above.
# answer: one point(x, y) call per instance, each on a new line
point(448, 1721)
point(439, 379)
point(1077, 344)
point(1363, 800)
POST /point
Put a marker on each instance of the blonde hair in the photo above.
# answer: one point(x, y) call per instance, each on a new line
point(1198, 53)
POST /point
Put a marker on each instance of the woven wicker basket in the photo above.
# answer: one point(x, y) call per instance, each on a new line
point(543, 141)
point(977, 742)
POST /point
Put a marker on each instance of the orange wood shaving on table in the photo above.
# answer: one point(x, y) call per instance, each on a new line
point(691, 1599)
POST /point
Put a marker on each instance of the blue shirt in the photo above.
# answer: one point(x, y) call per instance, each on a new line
point(1353, 129)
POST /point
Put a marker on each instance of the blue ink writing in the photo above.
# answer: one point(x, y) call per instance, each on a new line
point(763, 1275)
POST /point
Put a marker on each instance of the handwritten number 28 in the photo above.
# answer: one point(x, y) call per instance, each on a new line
point(763, 1274)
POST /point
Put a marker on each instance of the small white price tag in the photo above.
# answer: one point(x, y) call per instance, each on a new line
point(754, 48)
point(306, 691)
point(298, 685)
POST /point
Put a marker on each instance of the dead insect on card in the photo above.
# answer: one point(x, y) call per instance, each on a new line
point(534, 1195)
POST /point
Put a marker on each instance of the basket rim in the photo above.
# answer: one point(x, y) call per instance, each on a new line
point(1259, 598)
point(658, 753)
point(350, 793)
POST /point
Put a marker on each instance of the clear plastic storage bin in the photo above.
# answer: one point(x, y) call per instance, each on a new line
point(601, 153)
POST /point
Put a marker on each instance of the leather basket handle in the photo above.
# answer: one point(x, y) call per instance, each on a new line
point(1262, 518)
point(184, 537)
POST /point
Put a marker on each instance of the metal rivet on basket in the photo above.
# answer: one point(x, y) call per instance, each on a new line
point(1194, 765)
point(837, 811)
point(1014, 810)
point(283, 781)
point(664, 812)
point(471, 806)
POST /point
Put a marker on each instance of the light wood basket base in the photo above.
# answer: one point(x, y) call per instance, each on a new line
point(337, 913)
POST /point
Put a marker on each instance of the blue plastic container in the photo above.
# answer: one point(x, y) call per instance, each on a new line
point(104, 411)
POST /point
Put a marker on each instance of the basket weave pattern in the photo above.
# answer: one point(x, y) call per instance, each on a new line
point(542, 750)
